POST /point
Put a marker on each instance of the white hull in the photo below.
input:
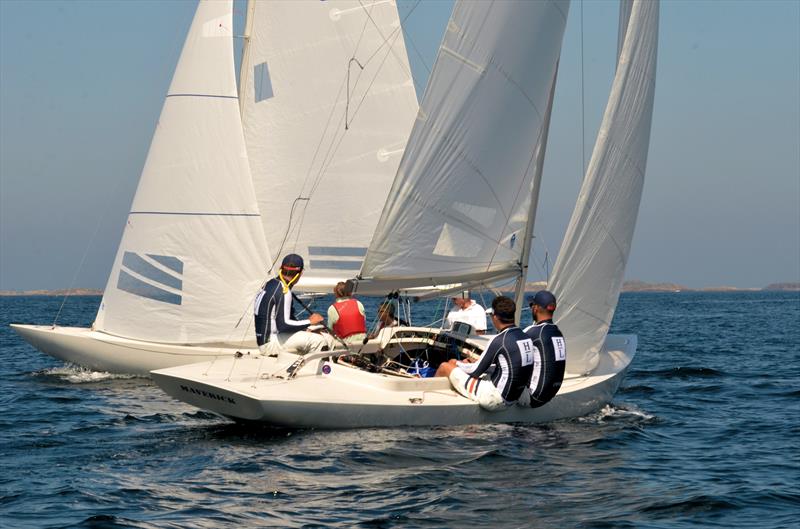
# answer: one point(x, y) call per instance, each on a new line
point(247, 388)
point(104, 352)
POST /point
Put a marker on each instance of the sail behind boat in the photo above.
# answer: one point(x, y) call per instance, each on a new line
point(192, 251)
point(589, 271)
point(328, 103)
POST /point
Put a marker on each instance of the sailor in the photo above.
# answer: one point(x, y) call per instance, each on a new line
point(275, 320)
point(467, 310)
point(346, 317)
point(550, 352)
point(510, 353)
point(386, 319)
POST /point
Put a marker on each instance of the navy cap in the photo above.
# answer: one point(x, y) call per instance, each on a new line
point(543, 298)
point(292, 262)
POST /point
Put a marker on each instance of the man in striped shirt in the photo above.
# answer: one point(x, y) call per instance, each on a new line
point(550, 352)
point(496, 380)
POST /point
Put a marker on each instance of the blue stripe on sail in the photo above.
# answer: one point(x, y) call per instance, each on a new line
point(135, 263)
point(336, 265)
point(338, 251)
point(173, 263)
point(130, 284)
point(262, 82)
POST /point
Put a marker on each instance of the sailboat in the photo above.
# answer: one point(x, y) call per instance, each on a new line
point(461, 211)
point(326, 89)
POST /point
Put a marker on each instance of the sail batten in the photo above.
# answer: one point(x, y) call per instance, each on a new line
point(589, 271)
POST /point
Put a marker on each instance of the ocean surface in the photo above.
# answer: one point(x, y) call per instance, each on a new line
point(703, 433)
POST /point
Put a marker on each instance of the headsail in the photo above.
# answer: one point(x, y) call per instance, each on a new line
point(459, 204)
point(193, 252)
point(589, 270)
point(328, 103)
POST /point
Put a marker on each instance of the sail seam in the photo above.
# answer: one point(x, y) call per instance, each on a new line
point(195, 214)
point(203, 95)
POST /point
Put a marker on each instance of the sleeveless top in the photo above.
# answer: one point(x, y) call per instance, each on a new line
point(350, 321)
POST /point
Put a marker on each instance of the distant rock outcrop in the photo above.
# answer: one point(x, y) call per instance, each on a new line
point(790, 287)
point(641, 286)
point(62, 292)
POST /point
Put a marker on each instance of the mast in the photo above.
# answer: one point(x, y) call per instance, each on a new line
point(244, 67)
point(527, 238)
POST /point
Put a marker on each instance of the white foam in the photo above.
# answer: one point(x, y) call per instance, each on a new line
point(80, 375)
point(610, 411)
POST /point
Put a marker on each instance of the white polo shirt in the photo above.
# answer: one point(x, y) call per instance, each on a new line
point(474, 315)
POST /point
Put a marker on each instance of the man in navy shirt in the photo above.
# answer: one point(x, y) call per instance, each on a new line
point(509, 357)
point(275, 319)
point(550, 352)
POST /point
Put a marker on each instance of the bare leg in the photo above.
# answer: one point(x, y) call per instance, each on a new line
point(445, 368)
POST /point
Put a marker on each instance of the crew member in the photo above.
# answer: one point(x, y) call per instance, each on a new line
point(467, 310)
point(510, 353)
point(275, 320)
point(550, 352)
point(346, 317)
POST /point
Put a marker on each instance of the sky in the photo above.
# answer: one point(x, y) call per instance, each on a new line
point(82, 84)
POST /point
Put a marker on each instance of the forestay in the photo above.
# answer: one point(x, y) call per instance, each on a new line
point(328, 103)
point(192, 252)
point(590, 267)
point(462, 196)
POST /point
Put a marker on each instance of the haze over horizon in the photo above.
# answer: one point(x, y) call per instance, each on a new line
point(82, 85)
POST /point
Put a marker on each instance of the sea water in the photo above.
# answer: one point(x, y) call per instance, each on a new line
point(703, 433)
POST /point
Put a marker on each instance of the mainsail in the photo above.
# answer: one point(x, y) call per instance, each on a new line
point(459, 206)
point(193, 250)
point(588, 274)
point(328, 103)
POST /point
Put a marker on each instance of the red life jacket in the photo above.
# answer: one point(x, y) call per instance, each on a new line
point(350, 321)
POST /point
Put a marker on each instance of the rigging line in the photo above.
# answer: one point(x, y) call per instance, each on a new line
point(333, 149)
point(583, 109)
point(347, 101)
point(345, 82)
point(395, 34)
point(80, 266)
point(328, 158)
point(535, 151)
point(286, 233)
point(325, 129)
point(407, 36)
point(353, 58)
point(386, 39)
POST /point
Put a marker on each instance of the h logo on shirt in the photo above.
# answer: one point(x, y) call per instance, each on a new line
point(526, 351)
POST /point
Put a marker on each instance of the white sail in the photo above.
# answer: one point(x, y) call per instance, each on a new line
point(192, 253)
point(328, 103)
point(462, 196)
point(589, 270)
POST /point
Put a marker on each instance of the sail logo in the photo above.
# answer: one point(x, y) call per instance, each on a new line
point(336, 257)
point(156, 277)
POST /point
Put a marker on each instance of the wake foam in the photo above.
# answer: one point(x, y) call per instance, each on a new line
point(80, 375)
point(610, 413)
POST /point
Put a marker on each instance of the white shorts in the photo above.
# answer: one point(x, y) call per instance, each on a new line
point(305, 342)
point(481, 390)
